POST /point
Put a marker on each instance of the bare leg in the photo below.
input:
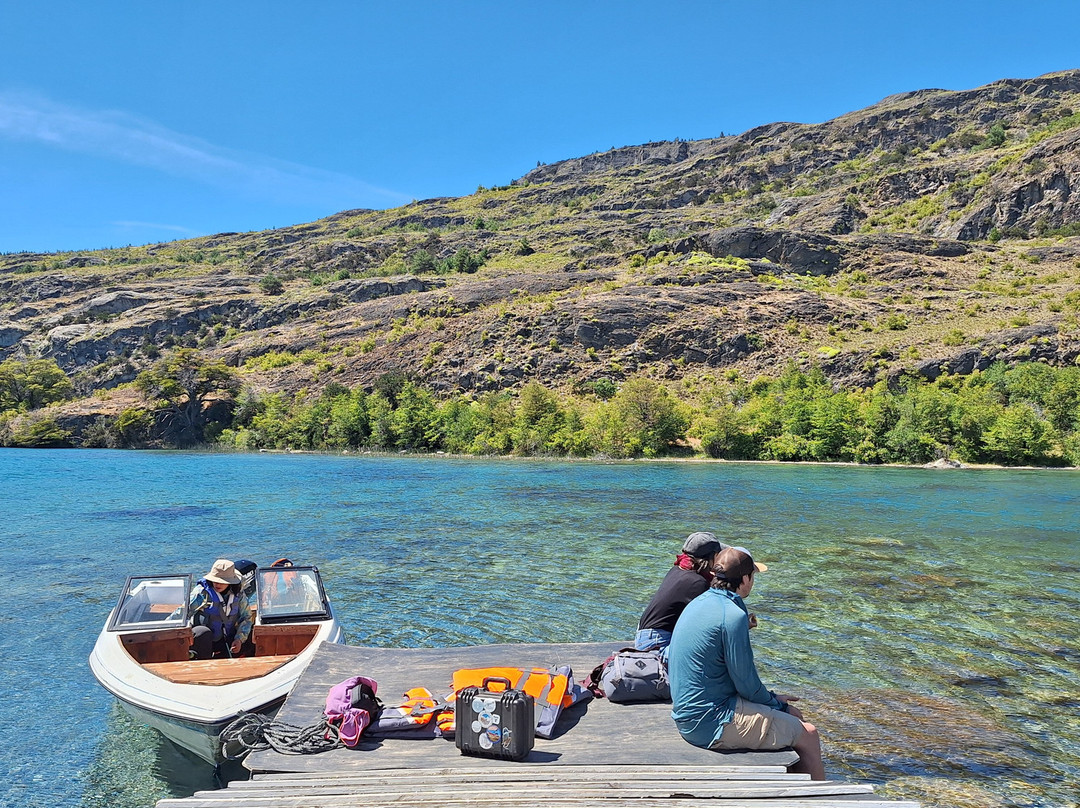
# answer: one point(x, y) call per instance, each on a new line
point(809, 748)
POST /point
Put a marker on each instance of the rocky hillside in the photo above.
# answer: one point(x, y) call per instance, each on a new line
point(934, 230)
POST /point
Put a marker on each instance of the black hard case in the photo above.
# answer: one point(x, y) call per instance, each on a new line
point(494, 723)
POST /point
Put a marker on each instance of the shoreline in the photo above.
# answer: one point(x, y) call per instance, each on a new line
point(214, 449)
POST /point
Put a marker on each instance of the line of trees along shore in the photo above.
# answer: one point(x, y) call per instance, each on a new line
point(1028, 414)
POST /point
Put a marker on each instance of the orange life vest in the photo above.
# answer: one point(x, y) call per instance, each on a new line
point(419, 709)
point(546, 686)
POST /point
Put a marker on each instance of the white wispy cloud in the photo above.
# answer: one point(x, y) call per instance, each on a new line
point(174, 228)
point(130, 139)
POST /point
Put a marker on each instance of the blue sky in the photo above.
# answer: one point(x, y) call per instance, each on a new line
point(137, 122)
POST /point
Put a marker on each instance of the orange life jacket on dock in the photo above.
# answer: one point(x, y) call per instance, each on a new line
point(420, 715)
point(552, 689)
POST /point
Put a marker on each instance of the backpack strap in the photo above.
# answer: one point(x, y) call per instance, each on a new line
point(362, 697)
point(592, 681)
point(350, 707)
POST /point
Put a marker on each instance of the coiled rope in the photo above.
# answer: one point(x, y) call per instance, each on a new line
point(250, 732)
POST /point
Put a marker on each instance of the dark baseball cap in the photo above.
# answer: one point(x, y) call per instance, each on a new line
point(702, 545)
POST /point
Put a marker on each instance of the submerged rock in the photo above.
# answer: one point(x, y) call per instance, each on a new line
point(885, 731)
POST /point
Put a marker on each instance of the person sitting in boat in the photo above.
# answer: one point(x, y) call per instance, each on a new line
point(221, 616)
point(284, 588)
point(689, 578)
point(718, 700)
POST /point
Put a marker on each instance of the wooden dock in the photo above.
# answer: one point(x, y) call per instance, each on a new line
point(601, 752)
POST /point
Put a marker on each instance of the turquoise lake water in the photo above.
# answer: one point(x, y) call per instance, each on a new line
point(929, 619)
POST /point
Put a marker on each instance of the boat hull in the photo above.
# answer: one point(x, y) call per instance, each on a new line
point(193, 715)
point(202, 740)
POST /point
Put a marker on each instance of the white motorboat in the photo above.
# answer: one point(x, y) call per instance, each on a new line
point(142, 654)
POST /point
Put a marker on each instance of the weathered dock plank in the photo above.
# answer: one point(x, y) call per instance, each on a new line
point(551, 786)
point(451, 800)
point(582, 799)
point(658, 787)
point(531, 774)
point(534, 774)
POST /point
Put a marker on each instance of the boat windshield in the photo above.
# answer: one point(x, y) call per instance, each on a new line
point(288, 594)
point(151, 602)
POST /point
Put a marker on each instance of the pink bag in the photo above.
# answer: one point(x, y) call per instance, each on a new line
point(350, 706)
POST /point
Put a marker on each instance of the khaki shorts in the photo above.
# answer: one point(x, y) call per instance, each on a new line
point(757, 727)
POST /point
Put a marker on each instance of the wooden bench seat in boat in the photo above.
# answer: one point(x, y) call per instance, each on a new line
point(162, 645)
point(217, 671)
point(282, 638)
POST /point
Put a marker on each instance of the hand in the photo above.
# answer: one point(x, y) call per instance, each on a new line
point(752, 620)
point(235, 647)
point(791, 708)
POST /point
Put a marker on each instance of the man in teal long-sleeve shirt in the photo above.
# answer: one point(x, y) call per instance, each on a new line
point(718, 699)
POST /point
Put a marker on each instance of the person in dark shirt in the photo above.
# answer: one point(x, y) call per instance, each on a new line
point(688, 578)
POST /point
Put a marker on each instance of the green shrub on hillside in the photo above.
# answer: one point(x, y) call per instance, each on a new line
point(271, 284)
point(464, 260)
point(422, 262)
point(995, 137)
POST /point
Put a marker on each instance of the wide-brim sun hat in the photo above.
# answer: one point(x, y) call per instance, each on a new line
point(223, 572)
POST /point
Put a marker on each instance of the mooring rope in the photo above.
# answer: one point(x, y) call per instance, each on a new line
point(251, 732)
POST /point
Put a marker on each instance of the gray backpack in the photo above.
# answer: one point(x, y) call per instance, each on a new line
point(635, 676)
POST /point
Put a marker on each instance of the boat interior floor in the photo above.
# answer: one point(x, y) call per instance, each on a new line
point(217, 671)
